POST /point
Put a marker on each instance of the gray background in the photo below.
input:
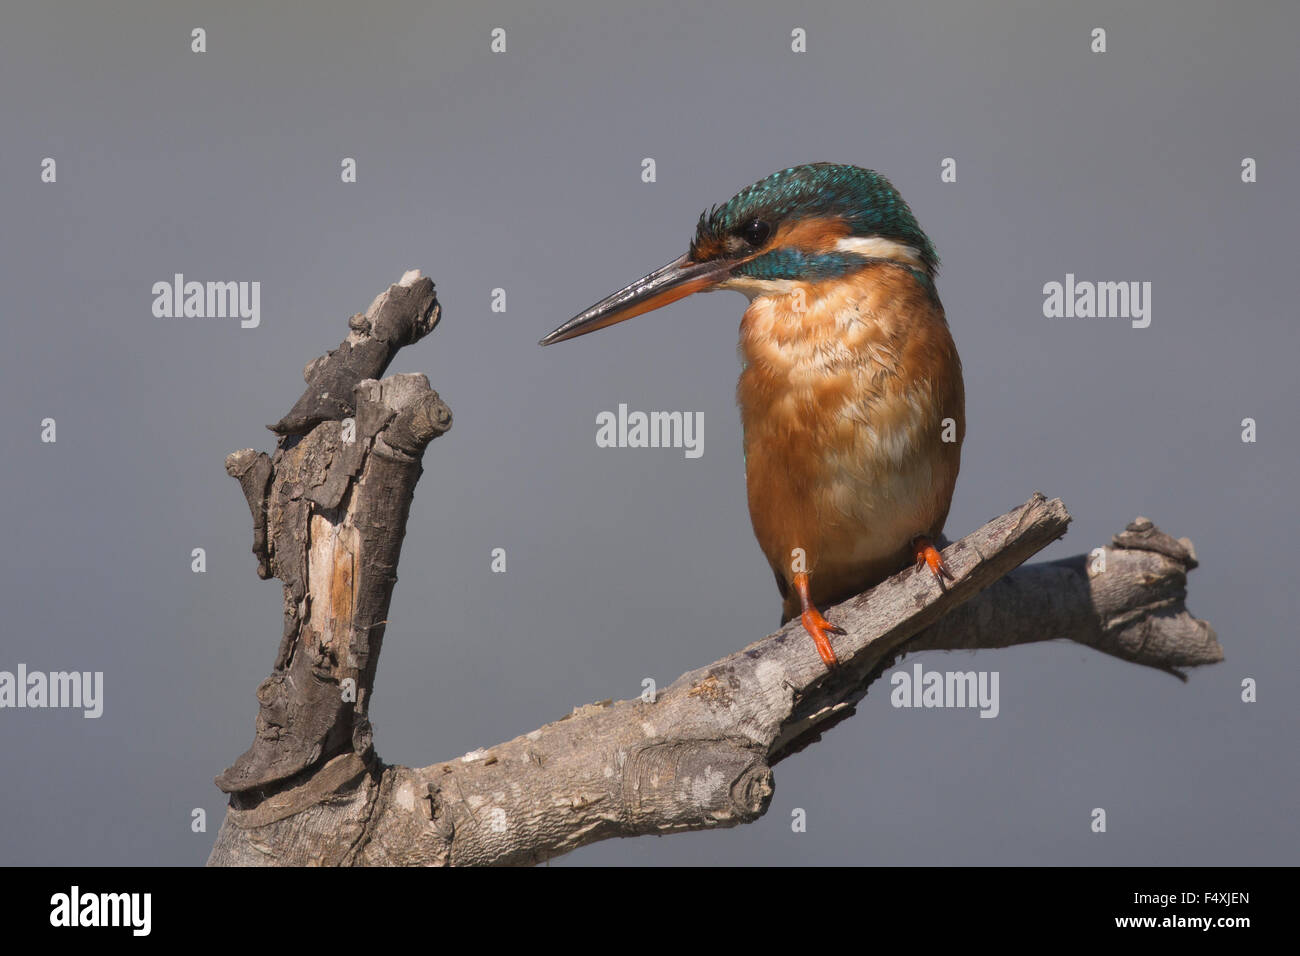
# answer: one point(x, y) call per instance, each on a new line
point(522, 171)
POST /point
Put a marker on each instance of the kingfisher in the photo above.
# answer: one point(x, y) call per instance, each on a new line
point(851, 396)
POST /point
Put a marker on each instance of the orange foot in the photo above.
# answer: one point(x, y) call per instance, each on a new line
point(927, 554)
point(813, 622)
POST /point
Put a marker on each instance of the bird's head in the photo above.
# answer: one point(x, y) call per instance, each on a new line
point(805, 224)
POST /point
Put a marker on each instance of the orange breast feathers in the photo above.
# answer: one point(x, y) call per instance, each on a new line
point(854, 413)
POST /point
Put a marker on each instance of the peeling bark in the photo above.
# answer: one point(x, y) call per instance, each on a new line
point(329, 514)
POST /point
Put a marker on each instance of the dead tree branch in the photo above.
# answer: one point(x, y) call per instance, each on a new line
point(329, 515)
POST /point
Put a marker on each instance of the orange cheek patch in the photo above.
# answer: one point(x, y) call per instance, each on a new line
point(811, 235)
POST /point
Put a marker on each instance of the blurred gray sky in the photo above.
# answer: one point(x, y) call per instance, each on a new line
point(522, 171)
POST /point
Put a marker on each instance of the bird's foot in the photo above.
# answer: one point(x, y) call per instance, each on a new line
point(928, 554)
point(816, 625)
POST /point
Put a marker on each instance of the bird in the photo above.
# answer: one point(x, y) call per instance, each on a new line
point(851, 397)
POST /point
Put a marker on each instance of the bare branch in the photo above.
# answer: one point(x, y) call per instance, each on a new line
point(328, 520)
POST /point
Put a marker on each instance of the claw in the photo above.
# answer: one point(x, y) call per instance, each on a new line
point(928, 554)
point(816, 625)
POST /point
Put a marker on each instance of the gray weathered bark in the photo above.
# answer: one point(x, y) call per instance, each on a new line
point(329, 516)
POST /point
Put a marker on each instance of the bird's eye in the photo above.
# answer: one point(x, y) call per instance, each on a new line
point(755, 232)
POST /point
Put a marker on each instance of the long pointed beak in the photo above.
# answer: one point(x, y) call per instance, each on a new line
point(674, 281)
